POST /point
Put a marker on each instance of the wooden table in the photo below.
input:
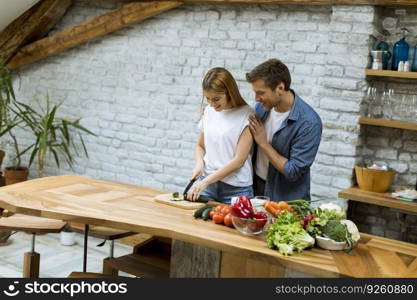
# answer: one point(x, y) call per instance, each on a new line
point(129, 207)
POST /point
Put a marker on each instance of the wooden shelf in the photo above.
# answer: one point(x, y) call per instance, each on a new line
point(387, 73)
point(388, 123)
point(356, 194)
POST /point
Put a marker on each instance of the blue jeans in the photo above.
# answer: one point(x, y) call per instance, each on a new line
point(223, 192)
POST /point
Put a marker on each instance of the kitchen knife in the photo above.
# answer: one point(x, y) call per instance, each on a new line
point(189, 185)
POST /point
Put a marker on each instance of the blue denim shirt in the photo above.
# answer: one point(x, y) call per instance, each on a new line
point(298, 140)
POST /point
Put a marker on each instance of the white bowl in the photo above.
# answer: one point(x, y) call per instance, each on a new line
point(330, 244)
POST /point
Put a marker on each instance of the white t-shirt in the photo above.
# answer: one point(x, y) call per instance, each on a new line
point(272, 124)
point(222, 131)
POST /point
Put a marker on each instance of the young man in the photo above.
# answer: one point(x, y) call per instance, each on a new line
point(287, 132)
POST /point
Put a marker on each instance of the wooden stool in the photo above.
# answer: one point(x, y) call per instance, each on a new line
point(5, 213)
point(31, 225)
point(150, 259)
point(100, 232)
point(4, 234)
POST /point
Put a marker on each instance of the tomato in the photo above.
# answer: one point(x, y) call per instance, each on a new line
point(225, 210)
point(211, 213)
point(256, 225)
point(228, 220)
point(218, 218)
point(219, 207)
point(240, 222)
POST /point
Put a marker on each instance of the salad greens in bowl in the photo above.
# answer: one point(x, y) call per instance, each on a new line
point(301, 226)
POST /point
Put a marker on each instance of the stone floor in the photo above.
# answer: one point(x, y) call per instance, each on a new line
point(59, 261)
point(56, 260)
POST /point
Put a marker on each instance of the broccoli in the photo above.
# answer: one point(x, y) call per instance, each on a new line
point(337, 231)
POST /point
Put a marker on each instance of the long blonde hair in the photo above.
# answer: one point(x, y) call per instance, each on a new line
point(219, 80)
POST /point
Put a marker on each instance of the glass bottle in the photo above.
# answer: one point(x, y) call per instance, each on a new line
point(400, 50)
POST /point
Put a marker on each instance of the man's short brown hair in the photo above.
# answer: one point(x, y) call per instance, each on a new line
point(272, 72)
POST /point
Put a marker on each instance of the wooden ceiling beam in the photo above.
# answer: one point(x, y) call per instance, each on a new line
point(35, 23)
point(111, 1)
point(314, 2)
point(119, 18)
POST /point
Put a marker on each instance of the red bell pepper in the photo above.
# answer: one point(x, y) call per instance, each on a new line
point(246, 202)
point(242, 208)
point(236, 211)
point(260, 215)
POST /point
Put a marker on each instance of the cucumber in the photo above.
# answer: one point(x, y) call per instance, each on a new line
point(206, 213)
point(201, 199)
point(199, 212)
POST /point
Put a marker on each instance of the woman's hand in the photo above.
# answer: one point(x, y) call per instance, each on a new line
point(195, 191)
point(197, 171)
point(258, 130)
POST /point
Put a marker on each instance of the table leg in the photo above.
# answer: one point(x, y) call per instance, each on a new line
point(351, 209)
point(192, 261)
point(86, 228)
point(237, 266)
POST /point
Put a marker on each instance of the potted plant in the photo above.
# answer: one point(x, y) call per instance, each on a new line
point(67, 237)
point(16, 172)
point(53, 135)
point(8, 121)
point(7, 96)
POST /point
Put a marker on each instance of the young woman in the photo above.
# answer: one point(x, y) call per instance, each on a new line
point(223, 150)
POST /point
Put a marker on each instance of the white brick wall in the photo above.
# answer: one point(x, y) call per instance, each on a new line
point(139, 88)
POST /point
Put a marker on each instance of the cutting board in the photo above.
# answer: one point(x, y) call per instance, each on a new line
point(165, 199)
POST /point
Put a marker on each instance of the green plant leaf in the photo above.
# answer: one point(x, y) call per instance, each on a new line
point(55, 156)
point(77, 125)
point(84, 147)
point(64, 130)
point(67, 153)
point(33, 155)
point(51, 117)
point(27, 149)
